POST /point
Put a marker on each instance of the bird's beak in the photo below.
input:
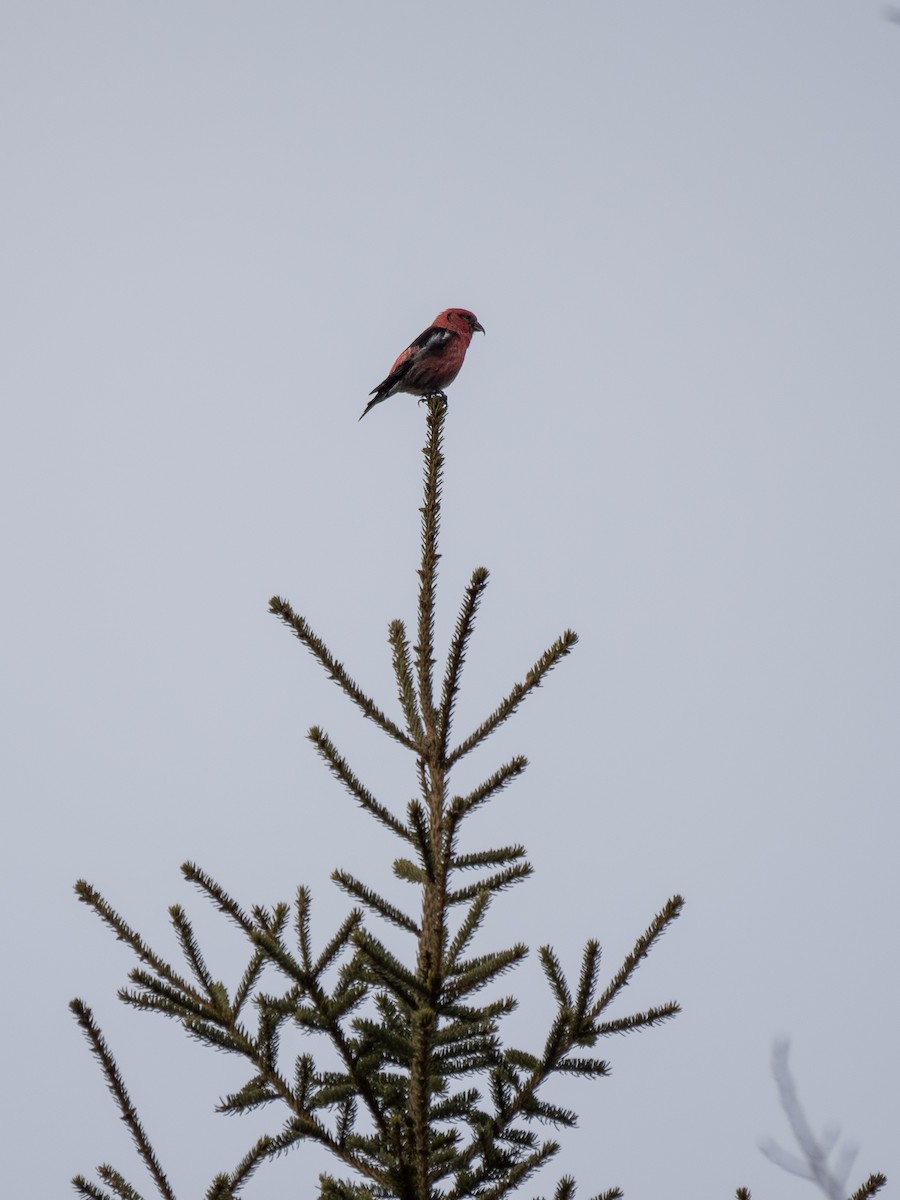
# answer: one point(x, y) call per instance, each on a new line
point(478, 327)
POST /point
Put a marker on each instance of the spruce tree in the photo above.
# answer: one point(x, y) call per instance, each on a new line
point(421, 1098)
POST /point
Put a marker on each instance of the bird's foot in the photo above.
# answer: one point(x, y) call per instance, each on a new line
point(434, 396)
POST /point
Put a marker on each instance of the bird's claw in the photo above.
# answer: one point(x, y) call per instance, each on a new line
point(434, 396)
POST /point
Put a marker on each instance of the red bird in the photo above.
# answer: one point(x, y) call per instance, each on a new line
point(432, 361)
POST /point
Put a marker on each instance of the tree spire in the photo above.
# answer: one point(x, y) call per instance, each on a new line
point(417, 1096)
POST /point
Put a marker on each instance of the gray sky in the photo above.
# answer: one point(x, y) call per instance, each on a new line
point(679, 226)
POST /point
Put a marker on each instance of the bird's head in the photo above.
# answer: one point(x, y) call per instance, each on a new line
point(461, 320)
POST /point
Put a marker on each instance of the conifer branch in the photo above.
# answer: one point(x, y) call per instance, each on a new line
point(304, 1123)
point(272, 922)
point(403, 672)
point(249, 981)
point(469, 926)
point(276, 951)
point(498, 1008)
point(256, 1092)
point(575, 1025)
point(456, 657)
point(388, 970)
point(456, 1107)
point(493, 884)
point(587, 982)
point(220, 1189)
point(337, 1189)
point(475, 974)
point(335, 670)
point(420, 835)
point(212, 1034)
point(338, 943)
point(479, 1056)
point(330, 1014)
point(90, 896)
point(431, 524)
point(520, 1171)
point(408, 871)
point(341, 771)
point(457, 1037)
point(642, 947)
point(360, 891)
point(505, 709)
point(486, 858)
point(89, 1190)
point(188, 942)
point(565, 1189)
point(640, 1020)
point(269, 1083)
point(553, 1114)
point(872, 1185)
point(218, 895)
point(552, 968)
point(461, 806)
point(591, 1068)
point(301, 927)
point(162, 997)
point(85, 1018)
point(118, 1183)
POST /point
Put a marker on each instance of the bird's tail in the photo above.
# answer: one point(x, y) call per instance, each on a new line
point(376, 399)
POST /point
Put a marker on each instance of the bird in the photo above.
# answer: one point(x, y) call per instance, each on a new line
point(432, 361)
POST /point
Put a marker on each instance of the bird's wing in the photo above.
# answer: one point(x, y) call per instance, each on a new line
point(432, 338)
point(430, 341)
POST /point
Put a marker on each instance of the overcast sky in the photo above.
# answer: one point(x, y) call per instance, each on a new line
point(680, 227)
